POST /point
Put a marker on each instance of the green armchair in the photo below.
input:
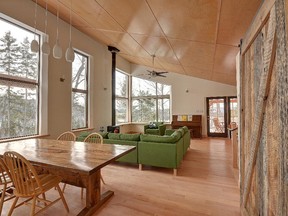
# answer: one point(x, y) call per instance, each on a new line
point(155, 128)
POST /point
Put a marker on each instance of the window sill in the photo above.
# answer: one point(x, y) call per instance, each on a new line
point(23, 138)
point(82, 129)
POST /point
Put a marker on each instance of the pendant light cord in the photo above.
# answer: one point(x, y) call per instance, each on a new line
point(70, 18)
point(46, 17)
point(35, 20)
point(57, 33)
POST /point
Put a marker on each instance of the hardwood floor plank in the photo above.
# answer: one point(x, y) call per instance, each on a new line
point(205, 185)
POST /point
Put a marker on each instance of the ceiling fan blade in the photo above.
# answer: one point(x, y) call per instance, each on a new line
point(161, 72)
point(161, 75)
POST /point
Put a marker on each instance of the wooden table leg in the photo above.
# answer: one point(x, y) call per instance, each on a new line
point(94, 198)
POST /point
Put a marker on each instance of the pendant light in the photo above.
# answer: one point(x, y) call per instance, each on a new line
point(45, 45)
point(57, 50)
point(70, 51)
point(34, 43)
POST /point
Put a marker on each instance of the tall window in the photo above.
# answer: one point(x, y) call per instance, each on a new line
point(121, 103)
point(150, 101)
point(19, 81)
point(80, 91)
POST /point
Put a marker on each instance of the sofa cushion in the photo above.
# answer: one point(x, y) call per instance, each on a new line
point(114, 136)
point(103, 134)
point(84, 133)
point(130, 137)
point(161, 139)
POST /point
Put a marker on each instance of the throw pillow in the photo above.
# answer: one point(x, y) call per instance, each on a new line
point(152, 126)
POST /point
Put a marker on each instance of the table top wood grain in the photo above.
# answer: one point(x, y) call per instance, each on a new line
point(72, 155)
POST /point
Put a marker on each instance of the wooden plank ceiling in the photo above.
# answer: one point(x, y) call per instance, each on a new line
point(197, 38)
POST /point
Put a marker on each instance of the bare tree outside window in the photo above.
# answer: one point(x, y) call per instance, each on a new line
point(79, 91)
point(122, 109)
point(150, 101)
point(19, 75)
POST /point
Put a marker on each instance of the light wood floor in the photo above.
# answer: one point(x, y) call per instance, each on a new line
point(205, 185)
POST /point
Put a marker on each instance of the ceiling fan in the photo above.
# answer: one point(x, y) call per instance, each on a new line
point(153, 73)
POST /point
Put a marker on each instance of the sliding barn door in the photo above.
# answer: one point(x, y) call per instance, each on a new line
point(264, 113)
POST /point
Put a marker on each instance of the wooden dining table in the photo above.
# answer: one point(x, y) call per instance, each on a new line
point(78, 163)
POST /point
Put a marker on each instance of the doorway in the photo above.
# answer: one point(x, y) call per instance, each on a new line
point(216, 116)
point(221, 111)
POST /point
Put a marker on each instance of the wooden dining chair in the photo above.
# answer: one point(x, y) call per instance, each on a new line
point(218, 126)
point(6, 183)
point(67, 136)
point(28, 184)
point(94, 138)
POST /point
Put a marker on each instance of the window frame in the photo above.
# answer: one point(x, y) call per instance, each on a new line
point(41, 83)
point(126, 98)
point(74, 90)
point(155, 97)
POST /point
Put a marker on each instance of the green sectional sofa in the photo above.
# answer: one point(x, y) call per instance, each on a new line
point(152, 150)
point(161, 151)
point(185, 134)
point(118, 138)
point(124, 139)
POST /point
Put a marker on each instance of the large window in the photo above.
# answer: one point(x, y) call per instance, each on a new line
point(19, 81)
point(150, 101)
point(122, 95)
point(80, 91)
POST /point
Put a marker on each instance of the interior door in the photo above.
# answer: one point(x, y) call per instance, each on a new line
point(216, 116)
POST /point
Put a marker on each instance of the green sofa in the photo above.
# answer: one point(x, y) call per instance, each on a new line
point(186, 137)
point(124, 139)
point(152, 150)
point(161, 151)
point(118, 138)
point(155, 128)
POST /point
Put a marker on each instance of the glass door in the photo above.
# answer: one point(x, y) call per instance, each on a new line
point(216, 116)
point(233, 110)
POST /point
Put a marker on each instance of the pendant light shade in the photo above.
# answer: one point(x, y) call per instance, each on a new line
point(57, 50)
point(69, 55)
point(34, 44)
point(46, 48)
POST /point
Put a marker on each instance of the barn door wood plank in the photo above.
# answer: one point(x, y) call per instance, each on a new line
point(259, 21)
point(269, 58)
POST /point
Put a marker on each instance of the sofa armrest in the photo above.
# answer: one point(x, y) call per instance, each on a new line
point(162, 129)
point(145, 127)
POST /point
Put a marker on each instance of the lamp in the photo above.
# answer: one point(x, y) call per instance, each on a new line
point(57, 50)
point(34, 43)
point(45, 45)
point(70, 51)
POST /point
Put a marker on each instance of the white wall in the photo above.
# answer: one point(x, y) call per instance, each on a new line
point(193, 101)
point(59, 93)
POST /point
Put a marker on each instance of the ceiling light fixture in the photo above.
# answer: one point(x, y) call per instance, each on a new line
point(34, 43)
point(45, 45)
point(70, 51)
point(57, 50)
